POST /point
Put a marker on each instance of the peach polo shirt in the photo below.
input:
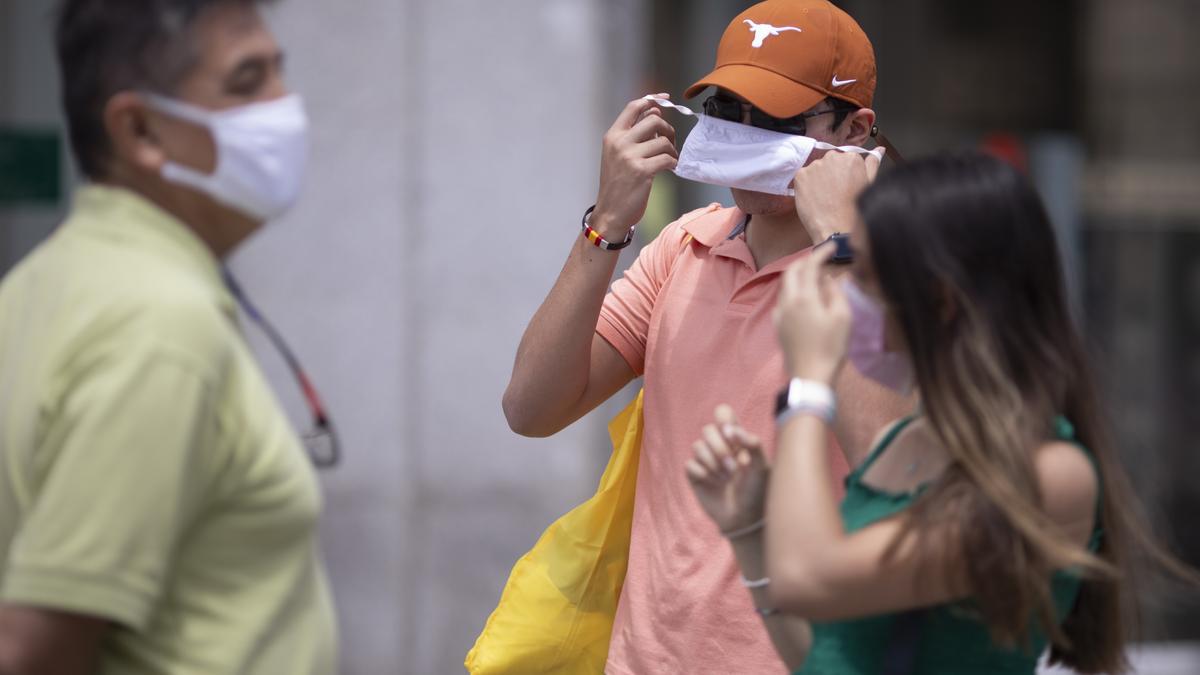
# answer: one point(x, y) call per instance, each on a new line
point(692, 316)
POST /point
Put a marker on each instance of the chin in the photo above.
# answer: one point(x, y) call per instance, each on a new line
point(762, 203)
point(236, 227)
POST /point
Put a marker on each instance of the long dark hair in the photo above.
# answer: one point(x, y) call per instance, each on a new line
point(967, 260)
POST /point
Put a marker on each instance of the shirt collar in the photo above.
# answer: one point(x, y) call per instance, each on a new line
point(124, 216)
point(720, 229)
point(714, 225)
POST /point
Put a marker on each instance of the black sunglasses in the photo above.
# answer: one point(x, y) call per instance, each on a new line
point(730, 109)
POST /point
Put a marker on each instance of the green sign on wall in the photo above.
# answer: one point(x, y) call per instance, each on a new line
point(30, 171)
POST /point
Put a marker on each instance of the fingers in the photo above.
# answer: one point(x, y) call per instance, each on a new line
point(696, 472)
point(801, 281)
point(657, 105)
point(812, 266)
point(632, 113)
point(719, 448)
point(738, 437)
point(826, 288)
point(873, 163)
point(750, 446)
point(655, 109)
point(724, 447)
point(656, 146)
point(650, 144)
point(650, 126)
point(707, 458)
point(652, 111)
point(732, 430)
point(817, 155)
point(746, 447)
point(658, 163)
point(837, 160)
point(644, 149)
point(839, 306)
point(724, 415)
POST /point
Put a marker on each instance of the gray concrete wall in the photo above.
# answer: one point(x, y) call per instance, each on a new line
point(28, 100)
point(456, 145)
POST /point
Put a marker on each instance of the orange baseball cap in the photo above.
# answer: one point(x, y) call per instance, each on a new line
point(785, 56)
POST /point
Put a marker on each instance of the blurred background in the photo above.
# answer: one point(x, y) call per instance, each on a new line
point(457, 143)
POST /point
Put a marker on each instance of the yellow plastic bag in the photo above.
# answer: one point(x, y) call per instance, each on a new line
point(556, 612)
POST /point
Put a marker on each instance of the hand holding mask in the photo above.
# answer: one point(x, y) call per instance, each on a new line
point(825, 191)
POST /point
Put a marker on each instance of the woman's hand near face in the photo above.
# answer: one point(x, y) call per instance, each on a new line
point(813, 319)
point(728, 473)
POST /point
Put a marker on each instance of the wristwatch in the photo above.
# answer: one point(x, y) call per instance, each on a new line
point(805, 396)
point(844, 255)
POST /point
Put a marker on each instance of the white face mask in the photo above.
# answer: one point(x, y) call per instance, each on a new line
point(262, 150)
point(733, 155)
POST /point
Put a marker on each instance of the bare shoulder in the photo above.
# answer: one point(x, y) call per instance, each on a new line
point(1068, 482)
point(916, 457)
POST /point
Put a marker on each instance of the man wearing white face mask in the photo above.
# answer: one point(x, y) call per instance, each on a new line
point(157, 511)
point(693, 315)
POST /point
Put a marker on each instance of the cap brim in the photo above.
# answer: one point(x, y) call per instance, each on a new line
point(766, 90)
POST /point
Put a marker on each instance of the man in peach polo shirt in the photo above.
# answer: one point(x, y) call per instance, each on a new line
point(693, 318)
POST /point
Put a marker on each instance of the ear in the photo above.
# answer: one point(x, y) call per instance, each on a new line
point(131, 126)
point(857, 127)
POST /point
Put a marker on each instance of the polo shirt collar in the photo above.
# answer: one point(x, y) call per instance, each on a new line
point(722, 231)
point(714, 227)
point(122, 215)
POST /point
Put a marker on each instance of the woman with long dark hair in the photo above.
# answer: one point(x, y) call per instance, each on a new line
point(995, 521)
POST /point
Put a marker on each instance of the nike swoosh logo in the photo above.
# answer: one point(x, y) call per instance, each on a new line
point(841, 83)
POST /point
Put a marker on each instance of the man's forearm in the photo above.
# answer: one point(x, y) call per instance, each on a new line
point(553, 361)
point(554, 379)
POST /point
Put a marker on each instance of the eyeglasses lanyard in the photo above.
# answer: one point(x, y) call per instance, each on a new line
point(884, 142)
point(322, 441)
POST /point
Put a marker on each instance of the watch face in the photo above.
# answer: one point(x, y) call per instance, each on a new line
point(844, 253)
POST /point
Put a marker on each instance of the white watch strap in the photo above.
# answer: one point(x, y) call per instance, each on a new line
point(808, 397)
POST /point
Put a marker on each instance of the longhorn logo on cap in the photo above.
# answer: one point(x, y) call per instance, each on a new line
point(764, 30)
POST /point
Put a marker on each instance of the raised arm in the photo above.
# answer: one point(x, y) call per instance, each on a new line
point(563, 368)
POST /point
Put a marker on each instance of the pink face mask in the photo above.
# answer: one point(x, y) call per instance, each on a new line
point(865, 349)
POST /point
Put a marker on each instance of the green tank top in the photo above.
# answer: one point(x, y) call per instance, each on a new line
point(952, 641)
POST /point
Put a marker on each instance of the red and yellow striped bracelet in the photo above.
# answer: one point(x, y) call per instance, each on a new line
point(600, 242)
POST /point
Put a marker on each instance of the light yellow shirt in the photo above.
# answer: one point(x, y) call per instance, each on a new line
point(147, 473)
